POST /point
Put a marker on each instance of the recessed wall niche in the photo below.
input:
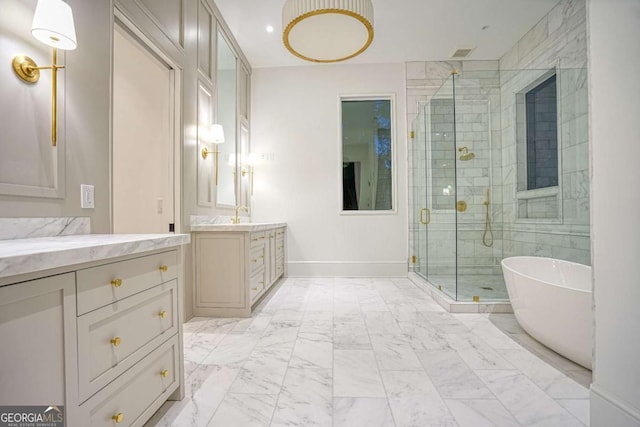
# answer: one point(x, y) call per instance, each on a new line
point(29, 164)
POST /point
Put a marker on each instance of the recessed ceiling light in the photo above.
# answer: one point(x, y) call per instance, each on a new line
point(269, 29)
point(485, 27)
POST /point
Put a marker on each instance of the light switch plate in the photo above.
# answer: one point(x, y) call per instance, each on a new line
point(86, 197)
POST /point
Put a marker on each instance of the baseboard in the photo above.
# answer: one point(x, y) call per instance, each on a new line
point(347, 269)
point(608, 410)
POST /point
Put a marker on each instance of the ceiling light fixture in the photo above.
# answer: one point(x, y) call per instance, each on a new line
point(327, 30)
point(269, 29)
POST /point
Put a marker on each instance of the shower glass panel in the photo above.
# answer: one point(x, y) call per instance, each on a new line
point(475, 143)
point(441, 188)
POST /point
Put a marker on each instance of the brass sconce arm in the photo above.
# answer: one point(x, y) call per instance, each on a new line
point(27, 69)
point(205, 153)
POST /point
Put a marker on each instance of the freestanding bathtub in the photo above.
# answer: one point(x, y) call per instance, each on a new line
point(551, 300)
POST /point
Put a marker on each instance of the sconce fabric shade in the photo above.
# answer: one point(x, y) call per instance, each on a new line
point(217, 134)
point(53, 24)
point(327, 30)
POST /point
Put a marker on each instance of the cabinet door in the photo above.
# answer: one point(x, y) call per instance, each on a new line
point(272, 256)
point(220, 270)
point(37, 332)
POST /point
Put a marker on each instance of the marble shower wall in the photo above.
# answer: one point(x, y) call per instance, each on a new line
point(550, 225)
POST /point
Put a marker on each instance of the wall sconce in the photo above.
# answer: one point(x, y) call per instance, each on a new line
point(216, 137)
point(52, 25)
point(232, 163)
point(252, 162)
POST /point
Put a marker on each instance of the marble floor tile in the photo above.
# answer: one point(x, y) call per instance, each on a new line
point(529, 404)
point(263, 372)
point(355, 374)
point(280, 335)
point(233, 350)
point(452, 377)
point(476, 353)
point(350, 335)
point(395, 354)
point(244, 410)
point(312, 351)
point(414, 400)
point(552, 381)
point(306, 399)
point(481, 413)
point(370, 352)
point(361, 412)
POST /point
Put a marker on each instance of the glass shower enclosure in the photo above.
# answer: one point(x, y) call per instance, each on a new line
point(456, 164)
point(500, 167)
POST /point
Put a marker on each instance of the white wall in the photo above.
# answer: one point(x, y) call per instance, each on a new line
point(295, 116)
point(614, 31)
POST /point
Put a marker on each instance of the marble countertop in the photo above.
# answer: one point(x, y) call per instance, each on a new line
point(249, 226)
point(22, 256)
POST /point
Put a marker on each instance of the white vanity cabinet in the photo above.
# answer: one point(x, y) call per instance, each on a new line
point(235, 266)
point(38, 331)
point(102, 338)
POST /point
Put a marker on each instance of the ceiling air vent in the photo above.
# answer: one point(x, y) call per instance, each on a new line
point(462, 53)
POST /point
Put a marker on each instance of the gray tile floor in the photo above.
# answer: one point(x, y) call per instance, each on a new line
point(366, 352)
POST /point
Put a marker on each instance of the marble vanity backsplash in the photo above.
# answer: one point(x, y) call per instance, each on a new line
point(26, 228)
point(215, 219)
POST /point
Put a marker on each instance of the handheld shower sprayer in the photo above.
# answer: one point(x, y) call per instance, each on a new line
point(487, 237)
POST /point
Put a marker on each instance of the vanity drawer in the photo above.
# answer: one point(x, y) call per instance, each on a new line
point(257, 239)
point(113, 338)
point(256, 285)
point(279, 266)
point(139, 391)
point(105, 284)
point(256, 259)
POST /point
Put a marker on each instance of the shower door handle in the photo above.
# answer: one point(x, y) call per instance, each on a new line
point(428, 211)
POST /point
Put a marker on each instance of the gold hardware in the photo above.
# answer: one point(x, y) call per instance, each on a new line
point(118, 418)
point(413, 259)
point(26, 68)
point(29, 72)
point(162, 314)
point(236, 220)
point(413, 134)
point(466, 154)
point(454, 72)
point(254, 289)
point(461, 206)
point(254, 260)
point(476, 298)
point(439, 287)
point(205, 152)
point(428, 211)
point(116, 341)
point(164, 373)
point(163, 268)
point(116, 283)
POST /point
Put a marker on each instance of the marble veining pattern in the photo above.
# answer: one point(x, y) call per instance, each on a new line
point(342, 363)
point(26, 228)
point(223, 223)
point(30, 255)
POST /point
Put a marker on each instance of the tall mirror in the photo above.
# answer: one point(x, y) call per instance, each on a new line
point(226, 116)
point(367, 154)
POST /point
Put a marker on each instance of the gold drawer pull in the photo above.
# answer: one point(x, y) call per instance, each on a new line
point(254, 289)
point(162, 314)
point(164, 373)
point(116, 283)
point(118, 418)
point(116, 342)
point(254, 260)
point(163, 268)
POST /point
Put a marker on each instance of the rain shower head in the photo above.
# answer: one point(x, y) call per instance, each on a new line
point(466, 154)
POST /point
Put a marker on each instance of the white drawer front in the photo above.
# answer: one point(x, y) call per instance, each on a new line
point(256, 259)
point(256, 285)
point(105, 284)
point(113, 338)
point(257, 239)
point(129, 396)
